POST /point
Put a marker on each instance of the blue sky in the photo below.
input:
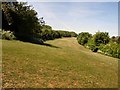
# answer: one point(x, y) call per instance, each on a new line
point(80, 16)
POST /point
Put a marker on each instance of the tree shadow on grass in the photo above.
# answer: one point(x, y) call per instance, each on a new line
point(39, 42)
point(49, 45)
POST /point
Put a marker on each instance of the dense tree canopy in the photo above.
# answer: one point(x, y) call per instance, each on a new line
point(101, 38)
point(67, 33)
point(22, 20)
point(83, 38)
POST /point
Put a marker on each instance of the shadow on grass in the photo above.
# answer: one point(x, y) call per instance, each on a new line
point(49, 45)
point(41, 43)
point(36, 41)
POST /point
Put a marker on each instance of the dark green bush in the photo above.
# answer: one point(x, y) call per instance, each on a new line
point(83, 38)
point(67, 34)
point(92, 46)
point(101, 38)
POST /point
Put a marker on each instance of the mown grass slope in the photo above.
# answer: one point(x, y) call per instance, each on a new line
point(60, 63)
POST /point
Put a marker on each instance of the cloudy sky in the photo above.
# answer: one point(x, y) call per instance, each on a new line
point(80, 16)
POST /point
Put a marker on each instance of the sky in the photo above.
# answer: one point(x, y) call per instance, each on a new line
point(80, 16)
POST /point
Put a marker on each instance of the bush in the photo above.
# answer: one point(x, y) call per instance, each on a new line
point(67, 33)
point(8, 35)
point(100, 42)
point(101, 38)
point(92, 46)
point(83, 38)
point(111, 49)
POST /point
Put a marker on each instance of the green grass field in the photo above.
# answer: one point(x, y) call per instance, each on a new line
point(61, 63)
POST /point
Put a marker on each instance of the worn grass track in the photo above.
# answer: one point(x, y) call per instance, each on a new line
point(60, 63)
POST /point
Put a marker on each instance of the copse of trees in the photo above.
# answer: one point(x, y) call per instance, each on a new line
point(98, 39)
point(101, 42)
point(48, 34)
point(67, 33)
point(21, 21)
point(20, 18)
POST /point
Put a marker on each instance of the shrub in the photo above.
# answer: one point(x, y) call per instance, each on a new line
point(67, 33)
point(92, 46)
point(101, 38)
point(111, 49)
point(83, 38)
point(8, 35)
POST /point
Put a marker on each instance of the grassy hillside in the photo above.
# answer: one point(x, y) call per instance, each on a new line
point(59, 63)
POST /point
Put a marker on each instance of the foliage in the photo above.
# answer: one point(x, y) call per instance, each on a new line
point(100, 42)
point(91, 45)
point(116, 39)
point(98, 39)
point(7, 35)
point(29, 38)
point(20, 18)
point(83, 38)
point(67, 33)
point(101, 38)
point(111, 49)
point(48, 34)
point(73, 34)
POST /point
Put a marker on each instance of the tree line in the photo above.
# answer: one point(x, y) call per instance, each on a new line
point(100, 42)
point(20, 21)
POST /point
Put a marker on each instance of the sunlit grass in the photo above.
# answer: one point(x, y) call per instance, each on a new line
point(63, 64)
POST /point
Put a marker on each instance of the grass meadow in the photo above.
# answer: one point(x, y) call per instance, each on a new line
point(60, 63)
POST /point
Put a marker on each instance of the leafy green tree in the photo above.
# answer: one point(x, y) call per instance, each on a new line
point(73, 34)
point(20, 17)
point(6, 15)
point(91, 45)
point(67, 33)
point(56, 34)
point(83, 38)
point(101, 38)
